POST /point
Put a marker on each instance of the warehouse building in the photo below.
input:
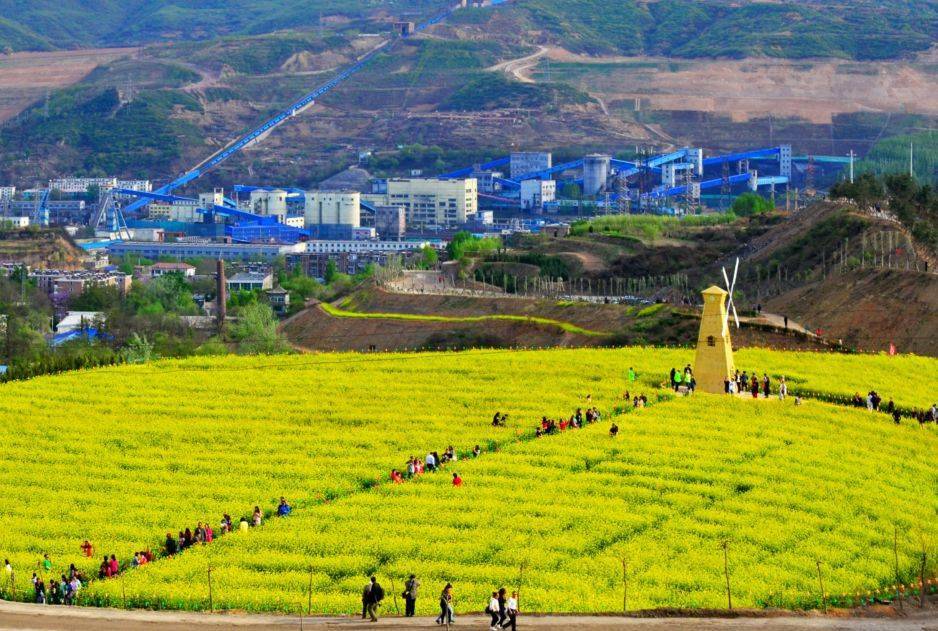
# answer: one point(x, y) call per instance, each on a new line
point(431, 202)
point(524, 162)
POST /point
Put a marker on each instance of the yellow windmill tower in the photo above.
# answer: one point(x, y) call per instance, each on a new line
point(714, 361)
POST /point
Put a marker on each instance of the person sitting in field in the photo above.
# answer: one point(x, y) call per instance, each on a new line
point(797, 400)
point(476, 451)
point(104, 570)
point(451, 453)
point(497, 419)
point(457, 481)
point(896, 417)
point(243, 525)
point(170, 546)
point(115, 566)
point(257, 517)
point(563, 425)
point(284, 509)
point(418, 466)
point(614, 430)
point(597, 416)
point(544, 423)
point(431, 462)
point(590, 416)
point(396, 477)
point(538, 432)
point(626, 396)
point(579, 415)
point(87, 549)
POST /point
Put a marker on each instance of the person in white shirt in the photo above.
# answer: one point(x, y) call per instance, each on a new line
point(493, 611)
point(512, 610)
point(782, 389)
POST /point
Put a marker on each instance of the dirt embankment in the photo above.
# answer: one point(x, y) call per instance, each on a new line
point(314, 329)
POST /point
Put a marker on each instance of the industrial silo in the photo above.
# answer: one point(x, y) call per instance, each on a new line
point(595, 173)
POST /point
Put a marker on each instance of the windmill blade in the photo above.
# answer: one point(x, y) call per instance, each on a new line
point(735, 317)
point(726, 319)
point(735, 272)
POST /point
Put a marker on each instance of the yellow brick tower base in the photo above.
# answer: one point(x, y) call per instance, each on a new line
point(714, 362)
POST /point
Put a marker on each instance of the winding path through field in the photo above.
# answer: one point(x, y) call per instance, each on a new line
point(23, 616)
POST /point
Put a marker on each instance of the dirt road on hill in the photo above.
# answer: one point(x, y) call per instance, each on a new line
point(518, 68)
point(42, 617)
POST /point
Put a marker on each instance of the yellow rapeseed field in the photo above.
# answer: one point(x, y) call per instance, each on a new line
point(122, 456)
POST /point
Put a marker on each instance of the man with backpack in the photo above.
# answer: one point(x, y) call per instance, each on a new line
point(374, 597)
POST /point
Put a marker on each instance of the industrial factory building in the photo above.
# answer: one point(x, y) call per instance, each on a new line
point(431, 202)
point(525, 162)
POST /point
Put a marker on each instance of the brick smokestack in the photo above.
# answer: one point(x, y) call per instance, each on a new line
point(221, 294)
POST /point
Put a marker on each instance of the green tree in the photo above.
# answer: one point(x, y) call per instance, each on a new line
point(750, 204)
point(332, 272)
point(256, 331)
point(428, 257)
point(139, 350)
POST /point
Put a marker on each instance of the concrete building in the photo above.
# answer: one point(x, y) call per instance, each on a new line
point(144, 186)
point(205, 250)
point(61, 211)
point(336, 208)
point(434, 202)
point(360, 247)
point(250, 281)
point(487, 180)
point(215, 198)
point(595, 173)
point(270, 204)
point(279, 300)
point(77, 185)
point(7, 193)
point(15, 222)
point(181, 211)
point(524, 162)
point(390, 222)
point(161, 269)
point(73, 283)
point(536, 193)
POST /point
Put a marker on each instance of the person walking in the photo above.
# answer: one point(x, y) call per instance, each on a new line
point(502, 607)
point(375, 596)
point(492, 610)
point(366, 596)
point(512, 608)
point(782, 389)
point(446, 606)
point(410, 595)
point(766, 385)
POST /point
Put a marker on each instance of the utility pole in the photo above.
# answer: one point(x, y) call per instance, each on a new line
point(852, 156)
point(911, 159)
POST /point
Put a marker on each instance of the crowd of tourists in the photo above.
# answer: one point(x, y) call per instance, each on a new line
point(743, 382)
point(578, 419)
point(683, 379)
point(503, 609)
point(415, 467)
point(874, 403)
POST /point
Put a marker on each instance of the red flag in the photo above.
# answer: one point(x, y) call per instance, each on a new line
point(892, 349)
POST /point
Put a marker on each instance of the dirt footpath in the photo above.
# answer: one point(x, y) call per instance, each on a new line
point(42, 617)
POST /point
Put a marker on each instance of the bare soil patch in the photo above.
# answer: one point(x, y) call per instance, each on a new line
point(25, 77)
point(814, 90)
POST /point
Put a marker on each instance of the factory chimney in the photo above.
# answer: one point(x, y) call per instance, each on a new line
point(221, 294)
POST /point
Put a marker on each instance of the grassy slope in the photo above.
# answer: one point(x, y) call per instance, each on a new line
point(180, 442)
